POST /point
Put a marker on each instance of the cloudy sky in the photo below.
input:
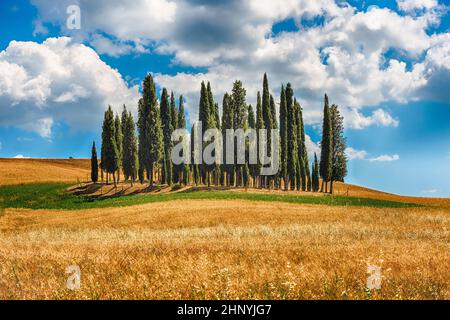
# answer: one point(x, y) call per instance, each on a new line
point(385, 63)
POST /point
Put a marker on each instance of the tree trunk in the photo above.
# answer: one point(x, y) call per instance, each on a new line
point(150, 175)
point(114, 179)
point(331, 186)
point(321, 188)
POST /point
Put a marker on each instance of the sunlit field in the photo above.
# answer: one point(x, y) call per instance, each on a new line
point(197, 243)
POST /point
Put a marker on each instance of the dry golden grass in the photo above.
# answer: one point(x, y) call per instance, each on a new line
point(205, 249)
point(17, 171)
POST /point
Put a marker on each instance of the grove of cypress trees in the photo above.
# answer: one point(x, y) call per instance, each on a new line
point(326, 145)
point(338, 157)
point(150, 130)
point(94, 164)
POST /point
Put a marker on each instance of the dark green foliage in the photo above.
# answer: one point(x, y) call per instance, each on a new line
point(315, 175)
point(283, 135)
point(94, 164)
point(130, 161)
point(292, 153)
point(251, 117)
point(174, 112)
point(227, 123)
point(239, 106)
point(259, 126)
point(255, 169)
point(339, 159)
point(181, 171)
point(166, 122)
point(273, 112)
point(150, 130)
point(110, 154)
point(326, 145)
point(119, 138)
point(181, 115)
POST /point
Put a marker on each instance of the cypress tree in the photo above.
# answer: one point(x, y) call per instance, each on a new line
point(130, 162)
point(194, 166)
point(301, 171)
point(273, 112)
point(315, 185)
point(292, 154)
point(259, 126)
point(174, 112)
point(227, 123)
point(268, 121)
point(183, 171)
point(338, 157)
point(119, 138)
point(326, 156)
point(110, 154)
point(239, 106)
point(150, 130)
point(94, 164)
point(253, 168)
point(166, 121)
point(283, 137)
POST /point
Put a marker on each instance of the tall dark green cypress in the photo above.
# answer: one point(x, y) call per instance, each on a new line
point(110, 154)
point(326, 145)
point(283, 137)
point(150, 130)
point(315, 184)
point(268, 121)
point(259, 126)
point(119, 138)
point(166, 122)
point(130, 161)
point(239, 106)
point(253, 168)
point(301, 171)
point(182, 170)
point(227, 123)
point(174, 112)
point(292, 154)
point(207, 117)
point(94, 164)
point(338, 157)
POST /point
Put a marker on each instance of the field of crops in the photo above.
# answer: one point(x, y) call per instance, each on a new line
point(195, 243)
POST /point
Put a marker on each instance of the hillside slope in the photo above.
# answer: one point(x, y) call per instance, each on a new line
point(24, 171)
point(18, 171)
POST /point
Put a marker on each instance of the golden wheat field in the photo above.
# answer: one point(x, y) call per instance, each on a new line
point(17, 171)
point(227, 249)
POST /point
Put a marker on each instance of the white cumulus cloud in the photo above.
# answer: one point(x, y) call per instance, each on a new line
point(353, 154)
point(385, 158)
point(58, 80)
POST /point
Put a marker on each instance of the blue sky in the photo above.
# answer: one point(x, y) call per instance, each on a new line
point(385, 63)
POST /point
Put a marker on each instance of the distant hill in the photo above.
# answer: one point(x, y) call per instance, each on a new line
point(23, 171)
point(18, 171)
